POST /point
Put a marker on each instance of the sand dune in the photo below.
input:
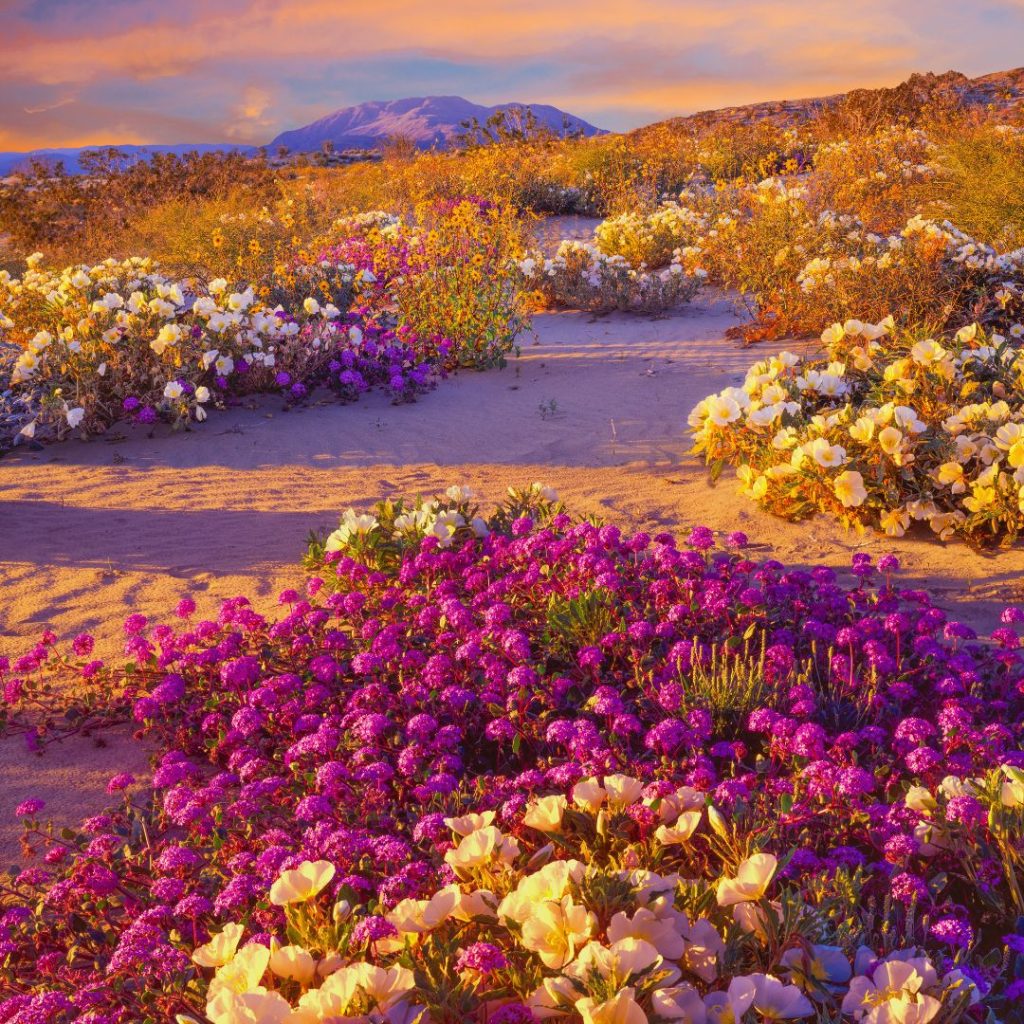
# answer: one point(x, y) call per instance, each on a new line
point(92, 531)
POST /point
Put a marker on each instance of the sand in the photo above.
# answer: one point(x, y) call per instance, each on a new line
point(595, 407)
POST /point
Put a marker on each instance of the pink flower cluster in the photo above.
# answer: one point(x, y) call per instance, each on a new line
point(851, 728)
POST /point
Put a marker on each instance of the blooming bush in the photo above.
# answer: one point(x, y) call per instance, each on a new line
point(876, 177)
point(528, 767)
point(120, 340)
point(450, 272)
point(888, 429)
point(649, 240)
point(579, 276)
point(802, 268)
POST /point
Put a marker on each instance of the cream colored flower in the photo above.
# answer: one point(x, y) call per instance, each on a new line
point(221, 948)
point(556, 929)
point(467, 824)
point(292, 962)
point(622, 1008)
point(482, 848)
point(545, 813)
point(826, 455)
point(302, 883)
point(751, 882)
point(849, 488)
point(681, 832)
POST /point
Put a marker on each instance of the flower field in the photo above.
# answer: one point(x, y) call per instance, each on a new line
point(525, 761)
point(375, 303)
point(519, 767)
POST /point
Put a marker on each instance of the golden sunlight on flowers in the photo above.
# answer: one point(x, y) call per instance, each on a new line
point(302, 883)
point(751, 881)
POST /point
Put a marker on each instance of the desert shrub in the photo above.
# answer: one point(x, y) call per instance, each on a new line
point(979, 182)
point(227, 236)
point(651, 240)
point(579, 276)
point(760, 241)
point(84, 217)
point(450, 271)
point(728, 151)
point(799, 269)
point(889, 429)
point(875, 177)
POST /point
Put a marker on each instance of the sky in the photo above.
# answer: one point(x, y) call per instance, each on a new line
point(92, 72)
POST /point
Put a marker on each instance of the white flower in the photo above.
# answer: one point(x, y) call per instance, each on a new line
point(752, 879)
point(311, 306)
point(74, 416)
point(173, 390)
point(202, 393)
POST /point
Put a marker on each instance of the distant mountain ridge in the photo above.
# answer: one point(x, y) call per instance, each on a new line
point(435, 120)
point(425, 120)
point(70, 156)
point(1001, 90)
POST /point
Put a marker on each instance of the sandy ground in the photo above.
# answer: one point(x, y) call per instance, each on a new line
point(92, 531)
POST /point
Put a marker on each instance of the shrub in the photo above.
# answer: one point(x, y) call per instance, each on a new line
point(890, 428)
point(581, 277)
point(802, 269)
point(979, 182)
point(651, 240)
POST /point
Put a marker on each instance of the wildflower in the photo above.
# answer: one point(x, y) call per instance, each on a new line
point(302, 883)
point(850, 489)
point(751, 881)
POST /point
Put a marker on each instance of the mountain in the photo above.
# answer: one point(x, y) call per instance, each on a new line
point(12, 162)
point(1001, 91)
point(426, 120)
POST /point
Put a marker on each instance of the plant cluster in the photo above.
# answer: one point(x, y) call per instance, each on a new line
point(121, 341)
point(801, 268)
point(888, 428)
point(580, 276)
point(451, 269)
point(512, 767)
point(379, 303)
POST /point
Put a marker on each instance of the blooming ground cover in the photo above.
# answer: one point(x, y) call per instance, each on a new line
point(514, 766)
point(380, 302)
point(889, 428)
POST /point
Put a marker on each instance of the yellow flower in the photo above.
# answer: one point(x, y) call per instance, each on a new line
point(258, 1007)
point(895, 523)
point(556, 929)
point(220, 949)
point(952, 473)
point(467, 824)
point(863, 429)
point(890, 440)
point(545, 814)
point(292, 962)
point(622, 1008)
point(849, 489)
point(243, 973)
point(681, 831)
point(752, 879)
point(480, 848)
point(302, 883)
point(826, 455)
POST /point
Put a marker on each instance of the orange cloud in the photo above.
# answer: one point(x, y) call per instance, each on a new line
point(627, 59)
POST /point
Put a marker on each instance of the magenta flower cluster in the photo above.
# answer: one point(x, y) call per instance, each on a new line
point(388, 696)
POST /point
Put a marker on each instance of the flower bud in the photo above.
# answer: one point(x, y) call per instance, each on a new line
point(341, 911)
point(541, 857)
point(717, 822)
